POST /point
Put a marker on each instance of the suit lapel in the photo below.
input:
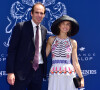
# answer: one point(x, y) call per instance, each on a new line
point(42, 33)
point(31, 31)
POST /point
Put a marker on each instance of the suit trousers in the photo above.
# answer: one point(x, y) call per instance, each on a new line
point(32, 82)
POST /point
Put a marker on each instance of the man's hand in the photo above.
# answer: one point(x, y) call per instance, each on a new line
point(11, 78)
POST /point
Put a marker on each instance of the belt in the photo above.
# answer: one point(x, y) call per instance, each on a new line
point(61, 61)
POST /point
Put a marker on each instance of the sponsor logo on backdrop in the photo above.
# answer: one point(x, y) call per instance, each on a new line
point(3, 73)
point(85, 56)
point(20, 11)
point(3, 57)
point(89, 72)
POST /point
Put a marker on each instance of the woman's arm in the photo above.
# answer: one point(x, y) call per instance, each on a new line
point(49, 43)
point(75, 62)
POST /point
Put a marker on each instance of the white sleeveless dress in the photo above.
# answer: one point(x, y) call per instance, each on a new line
point(62, 71)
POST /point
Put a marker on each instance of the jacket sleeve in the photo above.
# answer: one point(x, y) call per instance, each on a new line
point(12, 49)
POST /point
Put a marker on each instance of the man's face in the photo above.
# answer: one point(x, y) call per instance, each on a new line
point(38, 14)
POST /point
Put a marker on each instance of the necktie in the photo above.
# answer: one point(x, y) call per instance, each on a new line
point(36, 56)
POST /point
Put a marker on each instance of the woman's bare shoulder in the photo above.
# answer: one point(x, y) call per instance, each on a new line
point(51, 39)
point(74, 42)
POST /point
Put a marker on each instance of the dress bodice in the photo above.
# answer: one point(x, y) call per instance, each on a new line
point(61, 57)
point(61, 49)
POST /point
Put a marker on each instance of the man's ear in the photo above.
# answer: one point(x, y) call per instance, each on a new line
point(31, 14)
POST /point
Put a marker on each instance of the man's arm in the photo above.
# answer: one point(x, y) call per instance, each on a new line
point(13, 46)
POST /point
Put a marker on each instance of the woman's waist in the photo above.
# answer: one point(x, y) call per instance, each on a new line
point(61, 61)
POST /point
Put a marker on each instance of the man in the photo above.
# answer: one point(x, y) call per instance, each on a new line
point(26, 60)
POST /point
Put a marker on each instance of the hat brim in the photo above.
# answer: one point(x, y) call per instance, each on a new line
point(74, 25)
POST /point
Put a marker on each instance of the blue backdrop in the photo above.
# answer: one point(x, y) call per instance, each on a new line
point(86, 12)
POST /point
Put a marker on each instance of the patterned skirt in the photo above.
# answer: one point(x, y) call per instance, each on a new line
point(61, 77)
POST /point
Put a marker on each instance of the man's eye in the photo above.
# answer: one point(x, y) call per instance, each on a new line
point(41, 13)
point(36, 12)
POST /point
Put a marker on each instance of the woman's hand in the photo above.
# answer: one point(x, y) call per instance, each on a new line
point(82, 82)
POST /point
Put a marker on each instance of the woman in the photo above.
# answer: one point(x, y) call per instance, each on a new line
point(63, 48)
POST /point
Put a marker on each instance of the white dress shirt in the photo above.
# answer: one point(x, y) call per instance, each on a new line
point(40, 40)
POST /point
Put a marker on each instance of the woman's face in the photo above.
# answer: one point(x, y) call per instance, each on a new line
point(65, 26)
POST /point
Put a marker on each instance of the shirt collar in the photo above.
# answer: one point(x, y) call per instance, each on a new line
point(34, 25)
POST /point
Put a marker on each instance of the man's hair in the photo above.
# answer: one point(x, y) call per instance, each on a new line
point(38, 3)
